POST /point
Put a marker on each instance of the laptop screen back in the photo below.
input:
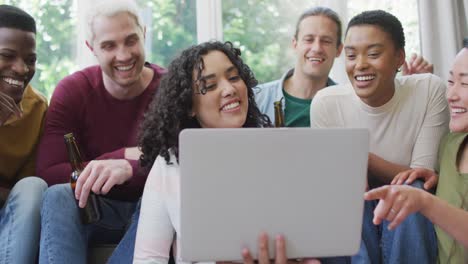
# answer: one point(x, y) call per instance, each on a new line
point(306, 184)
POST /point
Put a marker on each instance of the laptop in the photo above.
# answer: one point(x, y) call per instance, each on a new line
point(304, 183)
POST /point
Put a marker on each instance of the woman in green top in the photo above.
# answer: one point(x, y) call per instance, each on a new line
point(448, 209)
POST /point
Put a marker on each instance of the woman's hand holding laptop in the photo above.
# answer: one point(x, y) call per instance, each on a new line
point(280, 249)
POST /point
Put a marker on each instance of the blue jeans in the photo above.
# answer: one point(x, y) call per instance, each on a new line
point(20, 222)
point(64, 239)
point(413, 241)
point(123, 253)
point(336, 260)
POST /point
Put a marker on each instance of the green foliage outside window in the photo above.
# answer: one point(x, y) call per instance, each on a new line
point(262, 29)
point(172, 27)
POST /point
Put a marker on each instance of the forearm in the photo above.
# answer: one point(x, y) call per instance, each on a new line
point(53, 164)
point(52, 159)
point(55, 174)
point(128, 153)
point(133, 188)
point(155, 232)
point(132, 153)
point(116, 154)
point(384, 170)
point(452, 220)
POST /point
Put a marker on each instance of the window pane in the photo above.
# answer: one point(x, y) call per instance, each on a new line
point(405, 10)
point(171, 27)
point(263, 29)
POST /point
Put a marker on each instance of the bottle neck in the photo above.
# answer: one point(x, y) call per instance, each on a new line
point(279, 118)
point(74, 156)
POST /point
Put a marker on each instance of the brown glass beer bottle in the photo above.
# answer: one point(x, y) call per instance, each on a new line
point(91, 213)
point(279, 117)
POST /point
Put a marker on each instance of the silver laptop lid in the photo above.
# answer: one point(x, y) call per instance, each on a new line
point(304, 183)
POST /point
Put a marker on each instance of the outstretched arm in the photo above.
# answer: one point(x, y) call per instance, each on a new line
point(429, 177)
point(382, 169)
point(399, 201)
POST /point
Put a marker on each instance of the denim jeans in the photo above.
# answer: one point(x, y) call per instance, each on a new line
point(336, 260)
point(20, 222)
point(123, 253)
point(64, 239)
point(413, 241)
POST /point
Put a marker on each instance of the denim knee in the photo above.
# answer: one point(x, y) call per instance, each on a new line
point(58, 197)
point(413, 241)
point(27, 194)
point(63, 237)
point(58, 191)
point(20, 225)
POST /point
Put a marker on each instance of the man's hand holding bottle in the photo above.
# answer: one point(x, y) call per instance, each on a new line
point(100, 176)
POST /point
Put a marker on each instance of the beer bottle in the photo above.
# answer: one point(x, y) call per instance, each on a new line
point(279, 117)
point(91, 213)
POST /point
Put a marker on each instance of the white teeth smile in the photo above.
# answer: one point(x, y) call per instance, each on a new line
point(124, 68)
point(316, 59)
point(230, 106)
point(365, 78)
point(11, 81)
point(458, 110)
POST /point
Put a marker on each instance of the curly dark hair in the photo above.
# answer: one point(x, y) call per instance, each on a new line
point(385, 21)
point(170, 111)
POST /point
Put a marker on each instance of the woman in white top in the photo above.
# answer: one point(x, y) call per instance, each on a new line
point(207, 86)
point(448, 209)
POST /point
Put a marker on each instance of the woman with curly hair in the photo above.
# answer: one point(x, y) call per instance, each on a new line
point(207, 86)
point(197, 93)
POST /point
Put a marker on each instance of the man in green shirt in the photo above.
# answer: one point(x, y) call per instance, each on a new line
point(316, 43)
